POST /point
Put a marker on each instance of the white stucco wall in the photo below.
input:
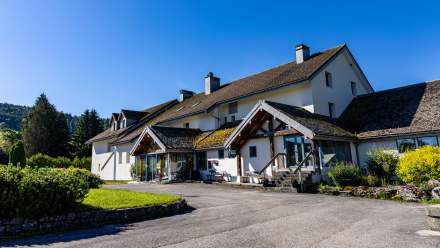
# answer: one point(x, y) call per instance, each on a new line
point(113, 170)
point(263, 154)
point(203, 122)
point(225, 165)
point(340, 93)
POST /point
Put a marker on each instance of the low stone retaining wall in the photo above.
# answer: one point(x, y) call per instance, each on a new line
point(433, 215)
point(78, 220)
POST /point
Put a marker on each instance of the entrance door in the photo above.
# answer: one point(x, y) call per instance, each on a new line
point(151, 167)
point(296, 148)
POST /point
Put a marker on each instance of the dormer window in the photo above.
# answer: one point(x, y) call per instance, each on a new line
point(233, 108)
point(115, 125)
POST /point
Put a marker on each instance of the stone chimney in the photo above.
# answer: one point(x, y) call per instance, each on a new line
point(302, 53)
point(212, 83)
point(184, 94)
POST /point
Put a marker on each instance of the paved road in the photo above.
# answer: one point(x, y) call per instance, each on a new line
point(226, 217)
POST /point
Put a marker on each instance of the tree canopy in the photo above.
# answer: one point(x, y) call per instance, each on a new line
point(89, 125)
point(45, 129)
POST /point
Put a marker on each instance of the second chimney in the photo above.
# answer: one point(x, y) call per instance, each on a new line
point(212, 83)
point(302, 53)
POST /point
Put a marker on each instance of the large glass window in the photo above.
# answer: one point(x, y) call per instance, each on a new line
point(427, 141)
point(406, 144)
point(296, 148)
point(334, 151)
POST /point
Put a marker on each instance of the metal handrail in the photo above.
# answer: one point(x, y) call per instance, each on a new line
point(103, 166)
point(298, 169)
point(271, 161)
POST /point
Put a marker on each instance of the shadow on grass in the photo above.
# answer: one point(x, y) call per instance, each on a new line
point(79, 234)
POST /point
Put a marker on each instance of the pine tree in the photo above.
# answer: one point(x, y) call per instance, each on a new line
point(88, 126)
point(17, 155)
point(45, 130)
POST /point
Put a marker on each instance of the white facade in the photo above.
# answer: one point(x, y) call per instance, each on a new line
point(112, 162)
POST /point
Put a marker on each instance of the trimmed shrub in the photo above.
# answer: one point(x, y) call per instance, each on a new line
point(36, 192)
point(382, 165)
point(343, 174)
point(420, 165)
point(93, 181)
point(16, 154)
point(41, 161)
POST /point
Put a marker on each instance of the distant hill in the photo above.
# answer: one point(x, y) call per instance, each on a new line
point(11, 116)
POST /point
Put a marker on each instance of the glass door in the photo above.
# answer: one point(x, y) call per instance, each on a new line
point(296, 148)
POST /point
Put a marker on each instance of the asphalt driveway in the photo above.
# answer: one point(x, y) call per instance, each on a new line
point(226, 217)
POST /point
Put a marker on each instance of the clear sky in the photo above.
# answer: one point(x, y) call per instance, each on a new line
point(110, 55)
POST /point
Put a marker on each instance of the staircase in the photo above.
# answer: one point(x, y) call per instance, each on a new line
point(292, 179)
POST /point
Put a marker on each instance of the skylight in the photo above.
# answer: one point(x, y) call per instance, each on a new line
point(195, 104)
point(177, 110)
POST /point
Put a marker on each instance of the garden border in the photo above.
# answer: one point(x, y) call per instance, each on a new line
point(79, 220)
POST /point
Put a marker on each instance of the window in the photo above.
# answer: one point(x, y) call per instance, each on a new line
point(353, 89)
point(406, 144)
point(186, 125)
point(120, 157)
point(427, 141)
point(232, 118)
point(233, 108)
point(331, 110)
point(109, 147)
point(232, 154)
point(226, 119)
point(221, 154)
point(127, 158)
point(328, 79)
point(252, 151)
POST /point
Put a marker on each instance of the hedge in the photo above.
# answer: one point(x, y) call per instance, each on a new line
point(36, 192)
point(344, 174)
point(41, 160)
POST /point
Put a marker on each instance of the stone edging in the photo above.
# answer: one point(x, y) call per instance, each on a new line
point(87, 219)
point(433, 217)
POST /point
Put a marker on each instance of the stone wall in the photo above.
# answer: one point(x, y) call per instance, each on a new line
point(87, 219)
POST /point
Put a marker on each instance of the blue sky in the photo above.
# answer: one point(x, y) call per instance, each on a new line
point(110, 55)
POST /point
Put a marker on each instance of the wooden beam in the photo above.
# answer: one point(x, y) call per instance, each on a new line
point(271, 143)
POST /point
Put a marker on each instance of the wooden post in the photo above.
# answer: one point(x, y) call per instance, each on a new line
point(239, 172)
point(272, 146)
point(315, 155)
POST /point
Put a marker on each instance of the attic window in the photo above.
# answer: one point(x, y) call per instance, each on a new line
point(233, 108)
point(177, 110)
point(195, 104)
point(328, 79)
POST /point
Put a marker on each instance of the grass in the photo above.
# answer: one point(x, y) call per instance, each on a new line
point(431, 201)
point(116, 199)
point(110, 182)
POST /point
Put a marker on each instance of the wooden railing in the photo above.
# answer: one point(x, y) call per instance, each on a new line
point(271, 161)
point(298, 169)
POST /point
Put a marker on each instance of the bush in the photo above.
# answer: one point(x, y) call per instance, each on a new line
point(328, 190)
point(343, 174)
point(420, 165)
point(36, 192)
point(382, 165)
point(16, 154)
point(41, 160)
point(372, 181)
point(93, 181)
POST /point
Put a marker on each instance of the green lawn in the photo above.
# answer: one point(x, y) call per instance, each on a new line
point(110, 182)
point(114, 199)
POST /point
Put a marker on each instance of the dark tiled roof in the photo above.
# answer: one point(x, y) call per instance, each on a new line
point(318, 124)
point(176, 138)
point(133, 115)
point(267, 80)
point(411, 109)
point(129, 133)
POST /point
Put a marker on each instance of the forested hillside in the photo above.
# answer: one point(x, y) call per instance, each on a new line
point(11, 116)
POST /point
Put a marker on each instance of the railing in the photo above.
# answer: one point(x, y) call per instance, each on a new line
point(106, 162)
point(298, 169)
point(270, 163)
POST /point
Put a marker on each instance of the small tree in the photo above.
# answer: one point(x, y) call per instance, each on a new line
point(17, 155)
point(383, 165)
point(420, 166)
